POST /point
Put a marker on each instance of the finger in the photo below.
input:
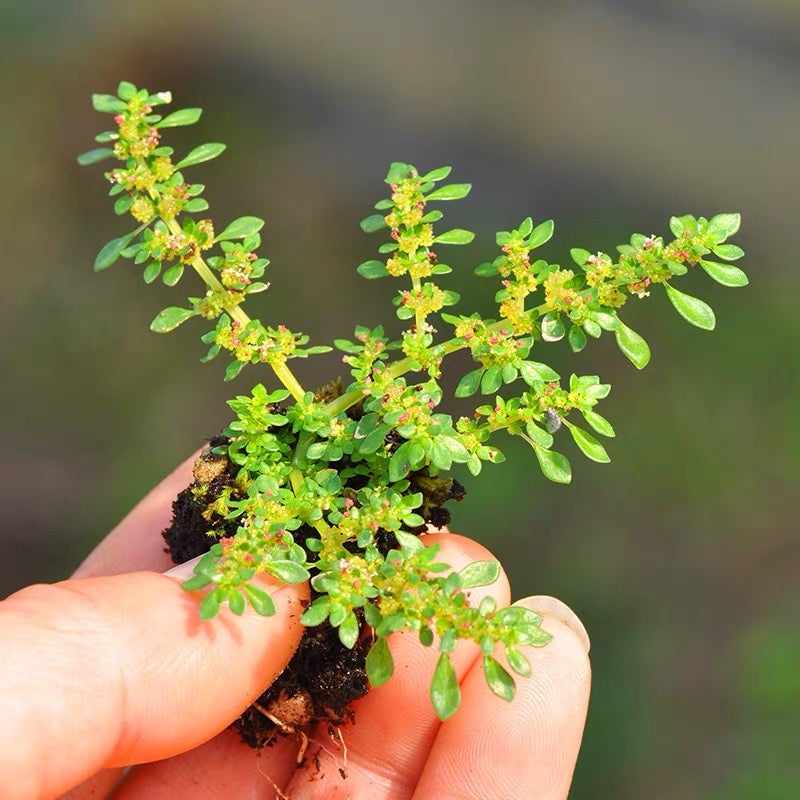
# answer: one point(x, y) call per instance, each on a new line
point(223, 767)
point(136, 543)
point(395, 724)
point(123, 670)
point(525, 749)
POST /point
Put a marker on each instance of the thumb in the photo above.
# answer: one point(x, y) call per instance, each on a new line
point(116, 670)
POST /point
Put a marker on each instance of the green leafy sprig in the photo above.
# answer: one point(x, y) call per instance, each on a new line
point(335, 488)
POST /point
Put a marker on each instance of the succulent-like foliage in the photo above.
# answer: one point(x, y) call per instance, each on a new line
point(329, 485)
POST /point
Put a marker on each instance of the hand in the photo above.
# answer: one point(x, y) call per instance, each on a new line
point(113, 667)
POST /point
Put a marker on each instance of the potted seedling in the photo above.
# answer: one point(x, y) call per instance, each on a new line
point(334, 485)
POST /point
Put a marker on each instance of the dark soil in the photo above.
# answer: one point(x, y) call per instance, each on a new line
point(323, 676)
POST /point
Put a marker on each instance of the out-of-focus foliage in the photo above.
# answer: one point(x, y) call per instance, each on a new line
point(607, 115)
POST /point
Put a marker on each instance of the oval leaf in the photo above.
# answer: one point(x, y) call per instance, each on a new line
point(729, 252)
point(372, 269)
point(185, 116)
point(260, 599)
point(552, 327)
point(541, 234)
point(721, 226)
point(455, 191)
point(588, 445)
point(205, 152)
point(374, 222)
point(479, 573)
point(111, 251)
point(170, 318)
point(445, 692)
point(455, 236)
point(554, 466)
point(239, 228)
point(726, 274)
point(498, 680)
point(93, 156)
point(380, 664)
point(599, 423)
point(348, 631)
point(692, 309)
point(633, 347)
point(288, 571)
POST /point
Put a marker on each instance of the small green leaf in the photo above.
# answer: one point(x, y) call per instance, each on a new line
point(692, 309)
point(579, 256)
point(726, 274)
point(93, 156)
point(491, 380)
point(260, 599)
point(469, 384)
point(518, 662)
point(542, 233)
point(317, 612)
point(438, 174)
point(721, 226)
point(380, 664)
point(348, 631)
point(599, 423)
point(372, 269)
point(728, 252)
point(440, 455)
point(111, 251)
point(552, 327)
point(676, 226)
point(399, 170)
point(374, 222)
point(233, 369)
point(534, 371)
point(633, 347)
point(205, 152)
point(577, 339)
point(173, 274)
point(445, 692)
point(588, 445)
point(240, 228)
point(236, 602)
point(108, 104)
point(479, 573)
point(486, 270)
point(497, 678)
point(455, 236)
point(196, 205)
point(196, 582)
point(170, 318)
point(409, 542)
point(539, 436)
point(454, 191)
point(185, 116)
point(554, 466)
point(287, 571)
point(126, 90)
point(209, 608)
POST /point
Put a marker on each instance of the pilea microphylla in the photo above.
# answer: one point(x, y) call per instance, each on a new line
point(336, 486)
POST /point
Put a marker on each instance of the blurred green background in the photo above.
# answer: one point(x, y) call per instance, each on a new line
point(682, 555)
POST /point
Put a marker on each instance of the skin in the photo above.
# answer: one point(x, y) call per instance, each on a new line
point(113, 667)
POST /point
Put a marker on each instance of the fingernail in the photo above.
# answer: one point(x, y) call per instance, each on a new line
point(557, 609)
point(183, 571)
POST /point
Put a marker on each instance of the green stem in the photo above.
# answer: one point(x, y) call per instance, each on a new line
point(348, 399)
point(282, 371)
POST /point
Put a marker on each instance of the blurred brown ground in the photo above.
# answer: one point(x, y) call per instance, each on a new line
point(682, 556)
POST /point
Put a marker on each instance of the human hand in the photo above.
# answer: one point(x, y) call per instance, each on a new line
point(114, 668)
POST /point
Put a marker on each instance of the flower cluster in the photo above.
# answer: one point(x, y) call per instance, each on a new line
point(335, 487)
